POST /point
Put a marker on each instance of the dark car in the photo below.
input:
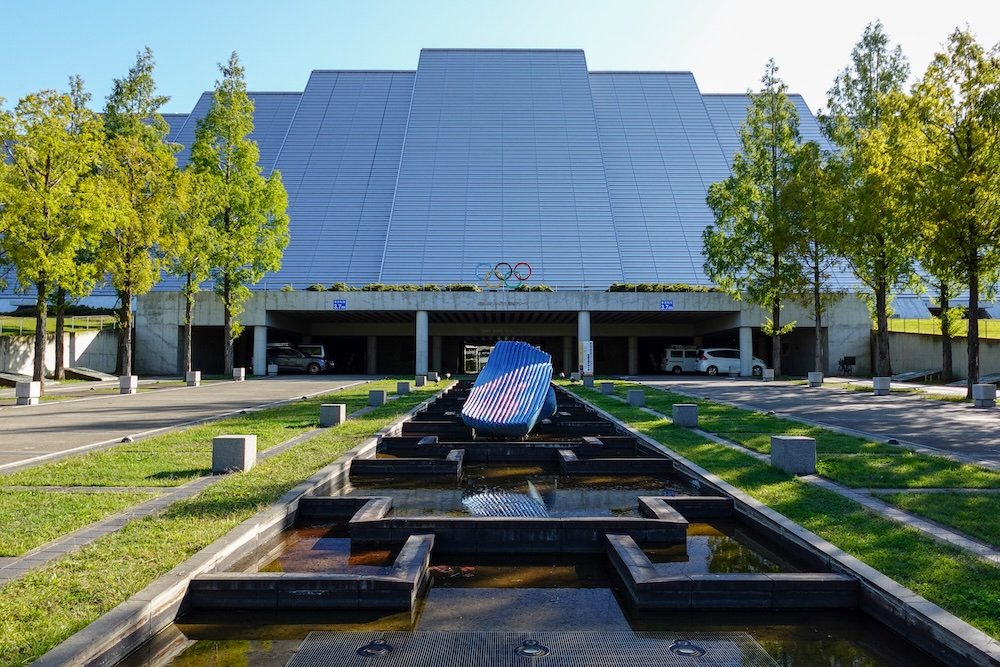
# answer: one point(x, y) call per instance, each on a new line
point(296, 361)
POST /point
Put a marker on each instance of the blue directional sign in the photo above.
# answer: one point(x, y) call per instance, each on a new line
point(340, 304)
point(666, 305)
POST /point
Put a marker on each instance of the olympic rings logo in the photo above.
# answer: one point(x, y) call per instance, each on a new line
point(503, 274)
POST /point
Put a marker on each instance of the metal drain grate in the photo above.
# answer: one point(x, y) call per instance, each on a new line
point(506, 649)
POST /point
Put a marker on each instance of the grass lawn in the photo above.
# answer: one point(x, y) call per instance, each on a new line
point(959, 582)
point(178, 457)
point(15, 326)
point(49, 604)
point(31, 518)
point(974, 514)
point(906, 470)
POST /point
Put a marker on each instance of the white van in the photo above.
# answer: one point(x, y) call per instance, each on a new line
point(715, 360)
point(679, 360)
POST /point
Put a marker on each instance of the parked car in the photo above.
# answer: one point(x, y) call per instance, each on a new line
point(679, 360)
point(715, 360)
point(288, 358)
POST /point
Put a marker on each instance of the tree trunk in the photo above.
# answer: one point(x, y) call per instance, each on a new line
point(776, 338)
point(882, 366)
point(124, 366)
point(818, 319)
point(973, 336)
point(188, 313)
point(227, 298)
point(41, 315)
point(60, 369)
point(946, 336)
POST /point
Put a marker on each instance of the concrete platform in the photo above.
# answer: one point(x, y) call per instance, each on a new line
point(510, 648)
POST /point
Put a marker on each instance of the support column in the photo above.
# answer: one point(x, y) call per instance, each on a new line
point(633, 355)
point(436, 354)
point(746, 351)
point(568, 366)
point(582, 334)
point(421, 336)
point(260, 350)
point(371, 343)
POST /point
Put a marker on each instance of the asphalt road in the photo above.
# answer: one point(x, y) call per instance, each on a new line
point(954, 428)
point(45, 431)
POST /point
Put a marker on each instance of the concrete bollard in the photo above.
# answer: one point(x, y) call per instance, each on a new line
point(28, 393)
point(420, 380)
point(880, 386)
point(193, 378)
point(795, 454)
point(767, 375)
point(608, 388)
point(588, 381)
point(636, 398)
point(402, 388)
point(984, 395)
point(240, 374)
point(377, 397)
point(272, 369)
point(128, 384)
point(815, 379)
point(433, 376)
point(332, 414)
point(685, 414)
point(232, 453)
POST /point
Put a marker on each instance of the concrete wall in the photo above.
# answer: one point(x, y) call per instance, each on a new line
point(914, 352)
point(96, 350)
point(690, 315)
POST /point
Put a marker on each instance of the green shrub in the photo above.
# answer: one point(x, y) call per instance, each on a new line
point(316, 287)
point(661, 287)
point(462, 287)
point(287, 288)
point(532, 288)
point(342, 287)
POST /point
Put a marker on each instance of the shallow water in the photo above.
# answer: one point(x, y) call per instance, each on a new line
point(562, 495)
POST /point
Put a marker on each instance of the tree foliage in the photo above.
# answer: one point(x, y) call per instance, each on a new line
point(956, 108)
point(250, 222)
point(51, 144)
point(750, 251)
point(815, 214)
point(879, 239)
point(138, 175)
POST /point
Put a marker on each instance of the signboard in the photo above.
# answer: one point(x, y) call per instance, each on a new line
point(586, 357)
point(339, 304)
point(666, 305)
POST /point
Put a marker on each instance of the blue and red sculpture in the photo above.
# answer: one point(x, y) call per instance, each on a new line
point(512, 392)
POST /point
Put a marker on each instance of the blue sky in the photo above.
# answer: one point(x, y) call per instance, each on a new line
point(724, 43)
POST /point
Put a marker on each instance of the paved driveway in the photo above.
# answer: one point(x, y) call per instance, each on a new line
point(52, 428)
point(954, 428)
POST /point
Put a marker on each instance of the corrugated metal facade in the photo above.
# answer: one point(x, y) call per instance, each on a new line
point(486, 156)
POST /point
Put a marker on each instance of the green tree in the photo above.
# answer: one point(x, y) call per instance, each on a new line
point(750, 251)
point(251, 223)
point(879, 240)
point(79, 280)
point(50, 149)
point(139, 175)
point(957, 110)
point(190, 244)
point(809, 199)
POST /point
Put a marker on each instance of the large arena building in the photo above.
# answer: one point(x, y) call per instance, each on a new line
point(500, 169)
